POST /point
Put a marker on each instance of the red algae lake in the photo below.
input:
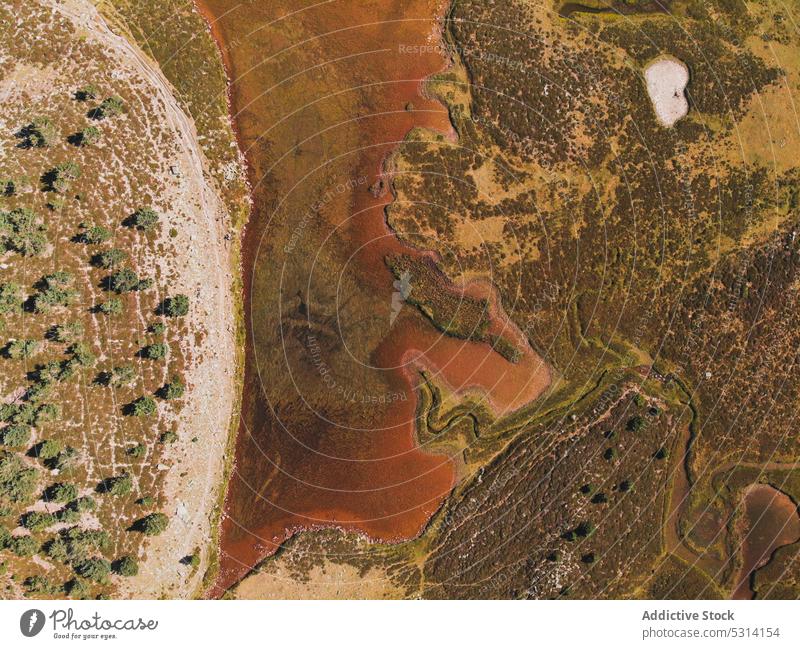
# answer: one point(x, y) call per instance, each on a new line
point(321, 94)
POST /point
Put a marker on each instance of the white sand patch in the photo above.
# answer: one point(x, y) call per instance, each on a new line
point(666, 84)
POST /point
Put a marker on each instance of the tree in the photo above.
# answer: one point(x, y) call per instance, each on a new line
point(10, 298)
point(95, 569)
point(119, 376)
point(126, 566)
point(126, 280)
point(144, 218)
point(89, 91)
point(68, 516)
point(168, 437)
point(82, 354)
point(155, 352)
point(108, 259)
point(89, 136)
point(71, 332)
point(137, 451)
point(41, 132)
point(143, 407)
point(18, 349)
point(77, 589)
point(109, 107)
point(111, 307)
point(61, 492)
point(83, 504)
point(23, 232)
point(96, 234)
point(54, 290)
point(120, 485)
point(47, 449)
point(662, 453)
point(176, 306)
point(17, 481)
point(172, 390)
point(24, 546)
point(38, 521)
point(636, 424)
point(60, 178)
point(41, 585)
point(15, 435)
point(152, 524)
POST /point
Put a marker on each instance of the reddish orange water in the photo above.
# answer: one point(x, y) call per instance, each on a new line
point(296, 469)
point(771, 521)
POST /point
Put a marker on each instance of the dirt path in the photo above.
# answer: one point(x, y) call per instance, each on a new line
point(202, 266)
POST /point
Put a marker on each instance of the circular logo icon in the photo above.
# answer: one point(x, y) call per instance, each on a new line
point(31, 622)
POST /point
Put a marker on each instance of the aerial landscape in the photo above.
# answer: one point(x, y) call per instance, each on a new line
point(400, 299)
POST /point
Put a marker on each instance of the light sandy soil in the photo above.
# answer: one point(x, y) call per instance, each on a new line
point(666, 84)
point(202, 259)
point(327, 581)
